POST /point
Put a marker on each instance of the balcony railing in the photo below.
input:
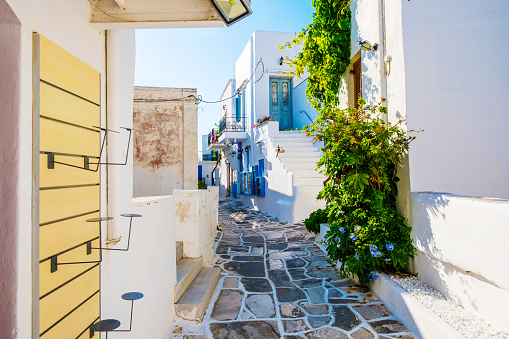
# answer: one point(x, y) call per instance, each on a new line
point(212, 156)
point(232, 124)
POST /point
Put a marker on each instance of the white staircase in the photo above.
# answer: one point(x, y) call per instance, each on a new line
point(195, 286)
point(299, 158)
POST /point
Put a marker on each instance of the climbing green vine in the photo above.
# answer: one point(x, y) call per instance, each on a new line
point(325, 51)
point(367, 233)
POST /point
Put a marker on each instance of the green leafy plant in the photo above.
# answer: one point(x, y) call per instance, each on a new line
point(367, 233)
point(320, 216)
point(325, 51)
point(360, 154)
point(202, 185)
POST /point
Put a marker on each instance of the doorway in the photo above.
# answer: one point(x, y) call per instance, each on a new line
point(281, 102)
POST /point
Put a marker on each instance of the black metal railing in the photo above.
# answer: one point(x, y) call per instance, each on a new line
point(232, 124)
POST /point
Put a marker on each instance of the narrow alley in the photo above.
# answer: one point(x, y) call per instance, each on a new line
point(276, 283)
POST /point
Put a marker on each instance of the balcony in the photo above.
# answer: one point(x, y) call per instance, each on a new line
point(232, 124)
point(232, 129)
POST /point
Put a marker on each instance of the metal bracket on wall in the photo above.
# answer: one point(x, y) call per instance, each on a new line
point(54, 259)
point(111, 325)
point(86, 159)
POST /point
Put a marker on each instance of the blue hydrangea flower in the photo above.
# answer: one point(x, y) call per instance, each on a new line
point(353, 237)
point(342, 230)
point(357, 228)
point(374, 275)
point(337, 239)
point(376, 254)
point(372, 248)
point(356, 256)
point(389, 246)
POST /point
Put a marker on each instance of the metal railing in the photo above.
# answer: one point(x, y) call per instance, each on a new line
point(232, 124)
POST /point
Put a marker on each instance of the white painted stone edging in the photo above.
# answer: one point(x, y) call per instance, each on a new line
point(414, 315)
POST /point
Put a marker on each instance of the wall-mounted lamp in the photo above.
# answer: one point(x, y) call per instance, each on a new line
point(247, 148)
point(367, 46)
point(233, 153)
point(232, 11)
point(281, 60)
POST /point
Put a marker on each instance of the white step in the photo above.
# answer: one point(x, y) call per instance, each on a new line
point(292, 134)
point(297, 144)
point(300, 149)
point(312, 155)
point(295, 166)
point(291, 140)
point(195, 301)
point(180, 250)
point(307, 174)
point(187, 269)
point(287, 159)
point(297, 181)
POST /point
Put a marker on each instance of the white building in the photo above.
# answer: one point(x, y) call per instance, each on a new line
point(67, 70)
point(443, 68)
point(283, 184)
point(207, 169)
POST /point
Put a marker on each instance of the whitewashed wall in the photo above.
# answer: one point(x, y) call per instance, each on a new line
point(196, 219)
point(73, 33)
point(463, 252)
point(456, 79)
point(444, 73)
point(148, 267)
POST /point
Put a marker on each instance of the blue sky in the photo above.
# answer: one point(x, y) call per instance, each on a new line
point(203, 58)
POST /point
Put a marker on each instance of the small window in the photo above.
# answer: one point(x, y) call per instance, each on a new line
point(274, 93)
point(285, 92)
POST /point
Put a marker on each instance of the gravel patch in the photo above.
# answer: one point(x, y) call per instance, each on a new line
point(466, 323)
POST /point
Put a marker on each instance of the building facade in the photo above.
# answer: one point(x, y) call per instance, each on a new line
point(67, 86)
point(441, 68)
point(263, 110)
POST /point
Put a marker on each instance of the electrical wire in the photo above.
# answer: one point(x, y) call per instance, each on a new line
point(199, 97)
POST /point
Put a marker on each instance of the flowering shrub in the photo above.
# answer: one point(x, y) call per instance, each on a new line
point(262, 120)
point(367, 233)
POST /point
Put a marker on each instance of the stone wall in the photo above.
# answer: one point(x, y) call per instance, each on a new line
point(166, 151)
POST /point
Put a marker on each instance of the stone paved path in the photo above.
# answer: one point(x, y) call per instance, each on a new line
point(276, 283)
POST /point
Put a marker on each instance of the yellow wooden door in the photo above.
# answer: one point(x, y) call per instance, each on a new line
point(67, 96)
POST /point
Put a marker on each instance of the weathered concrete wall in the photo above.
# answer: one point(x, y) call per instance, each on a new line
point(196, 218)
point(166, 152)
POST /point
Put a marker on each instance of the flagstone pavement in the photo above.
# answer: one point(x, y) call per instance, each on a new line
point(276, 283)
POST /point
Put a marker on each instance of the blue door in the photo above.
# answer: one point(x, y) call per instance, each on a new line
point(281, 102)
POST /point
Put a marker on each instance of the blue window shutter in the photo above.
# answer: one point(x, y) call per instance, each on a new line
point(261, 168)
point(199, 172)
